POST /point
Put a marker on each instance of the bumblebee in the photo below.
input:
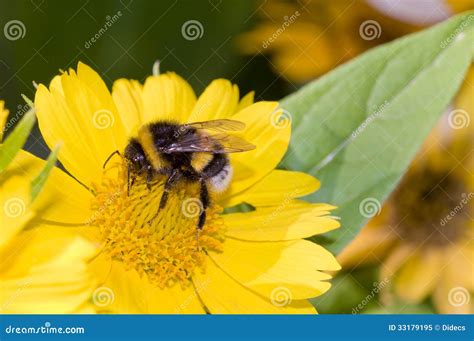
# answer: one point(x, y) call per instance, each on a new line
point(193, 152)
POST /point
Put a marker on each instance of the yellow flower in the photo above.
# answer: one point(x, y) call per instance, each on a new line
point(252, 262)
point(424, 234)
point(35, 268)
point(305, 39)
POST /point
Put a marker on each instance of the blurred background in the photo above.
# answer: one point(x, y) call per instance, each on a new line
point(272, 47)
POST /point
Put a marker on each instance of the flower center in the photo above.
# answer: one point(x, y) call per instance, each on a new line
point(163, 245)
point(430, 206)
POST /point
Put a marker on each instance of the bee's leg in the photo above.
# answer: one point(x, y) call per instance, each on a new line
point(149, 177)
point(172, 179)
point(128, 179)
point(204, 197)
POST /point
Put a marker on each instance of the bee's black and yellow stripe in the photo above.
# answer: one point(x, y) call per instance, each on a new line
point(200, 160)
point(145, 138)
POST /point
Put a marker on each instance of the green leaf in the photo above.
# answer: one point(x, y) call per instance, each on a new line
point(38, 183)
point(16, 139)
point(28, 101)
point(358, 127)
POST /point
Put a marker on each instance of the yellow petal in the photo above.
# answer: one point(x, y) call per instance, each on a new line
point(276, 188)
point(419, 276)
point(3, 119)
point(395, 260)
point(167, 97)
point(62, 199)
point(219, 100)
point(15, 206)
point(223, 295)
point(44, 272)
point(461, 256)
point(264, 266)
point(289, 221)
point(271, 142)
point(127, 95)
point(370, 245)
point(79, 111)
point(451, 298)
point(134, 295)
point(246, 101)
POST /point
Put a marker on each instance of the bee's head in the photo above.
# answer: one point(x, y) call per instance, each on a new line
point(135, 155)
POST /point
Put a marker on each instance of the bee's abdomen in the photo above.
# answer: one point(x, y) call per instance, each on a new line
point(219, 172)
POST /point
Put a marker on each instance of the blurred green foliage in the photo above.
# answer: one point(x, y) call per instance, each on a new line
point(57, 34)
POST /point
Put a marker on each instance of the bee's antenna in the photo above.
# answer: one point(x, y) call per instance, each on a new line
point(110, 156)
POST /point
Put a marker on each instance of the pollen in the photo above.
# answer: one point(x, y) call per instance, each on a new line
point(163, 245)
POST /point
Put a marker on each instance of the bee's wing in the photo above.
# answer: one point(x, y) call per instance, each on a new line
point(218, 125)
point(218, 143)
point(232, 144)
